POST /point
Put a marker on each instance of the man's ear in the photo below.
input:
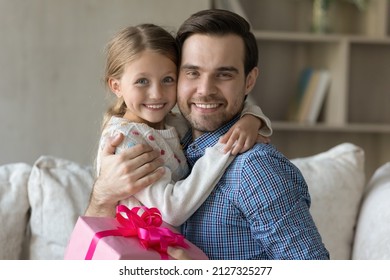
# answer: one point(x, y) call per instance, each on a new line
point(115, 86)
point(251, 79)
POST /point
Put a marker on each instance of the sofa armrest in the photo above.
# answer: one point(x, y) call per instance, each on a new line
point(14, 209)
point(372, 239)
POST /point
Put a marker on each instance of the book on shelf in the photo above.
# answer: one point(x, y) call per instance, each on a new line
point(318, 99)
point(296, 101)
point(308, 97)
point(314, 85)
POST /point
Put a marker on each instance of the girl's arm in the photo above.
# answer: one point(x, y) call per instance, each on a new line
point(178, 201)
point(253, 127)
point(254, 110)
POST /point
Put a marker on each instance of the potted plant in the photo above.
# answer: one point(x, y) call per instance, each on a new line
point(321, 22)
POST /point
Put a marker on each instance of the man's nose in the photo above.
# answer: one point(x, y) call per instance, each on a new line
point(206, 86)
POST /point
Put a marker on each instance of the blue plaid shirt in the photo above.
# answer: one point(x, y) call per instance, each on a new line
point(258, 210)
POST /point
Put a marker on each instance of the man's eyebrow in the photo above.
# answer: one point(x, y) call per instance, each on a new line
point(219, 69)
point(227, 69)
point(189, 67)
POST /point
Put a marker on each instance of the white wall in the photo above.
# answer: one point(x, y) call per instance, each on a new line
point(51, 64)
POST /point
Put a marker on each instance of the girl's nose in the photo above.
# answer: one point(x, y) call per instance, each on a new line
point(155, 91)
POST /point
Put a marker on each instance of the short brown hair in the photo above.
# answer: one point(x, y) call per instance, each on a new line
point(221, 22)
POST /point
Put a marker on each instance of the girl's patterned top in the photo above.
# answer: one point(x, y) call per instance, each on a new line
point(166, 141)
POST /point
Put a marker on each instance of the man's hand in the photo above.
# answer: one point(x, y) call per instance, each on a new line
point(123, 175)
point(178, 253)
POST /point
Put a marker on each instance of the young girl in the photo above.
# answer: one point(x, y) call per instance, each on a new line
point(141, 70)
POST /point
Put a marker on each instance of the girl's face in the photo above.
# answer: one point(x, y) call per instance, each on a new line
point(148, 87)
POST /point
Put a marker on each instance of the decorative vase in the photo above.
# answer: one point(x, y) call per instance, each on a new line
point(320, 19)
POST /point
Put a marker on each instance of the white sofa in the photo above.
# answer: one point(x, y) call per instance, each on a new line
point(39, 204)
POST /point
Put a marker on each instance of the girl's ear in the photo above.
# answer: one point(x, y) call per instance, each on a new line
point(251, 79)
point(115, 86)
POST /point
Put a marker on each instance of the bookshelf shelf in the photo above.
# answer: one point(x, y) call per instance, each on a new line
point(350, 128)
point(310, 37)
point(357, 54)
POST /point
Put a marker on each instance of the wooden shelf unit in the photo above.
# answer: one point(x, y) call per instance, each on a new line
point(357, 53)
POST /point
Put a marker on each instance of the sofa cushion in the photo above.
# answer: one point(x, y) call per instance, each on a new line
point(58, 191)
point(14, 209)
point(336, 184)
point(372, 239)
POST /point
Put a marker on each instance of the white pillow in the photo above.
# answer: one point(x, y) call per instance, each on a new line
point(13, 209)
point(336, 181)
point(58, 191)
point(372, 239)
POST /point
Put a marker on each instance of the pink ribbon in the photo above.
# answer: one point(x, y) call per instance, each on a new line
point(146, 227)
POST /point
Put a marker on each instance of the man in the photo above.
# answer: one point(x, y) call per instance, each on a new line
point(259, 209)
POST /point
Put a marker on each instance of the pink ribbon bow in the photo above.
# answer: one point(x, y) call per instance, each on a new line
point(146, 227)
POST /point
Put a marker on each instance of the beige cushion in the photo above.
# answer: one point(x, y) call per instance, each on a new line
point(336, 184)
point(13, 209)
point(372, 240)
point(58, 191)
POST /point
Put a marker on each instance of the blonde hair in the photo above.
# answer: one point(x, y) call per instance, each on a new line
point(125, 46)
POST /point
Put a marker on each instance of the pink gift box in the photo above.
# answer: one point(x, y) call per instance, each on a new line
point(114, 247)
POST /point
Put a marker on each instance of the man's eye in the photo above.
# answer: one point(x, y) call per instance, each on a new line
point(192, 74)
point(225, 75)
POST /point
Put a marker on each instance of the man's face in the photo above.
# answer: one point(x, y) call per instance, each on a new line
point(212, 83)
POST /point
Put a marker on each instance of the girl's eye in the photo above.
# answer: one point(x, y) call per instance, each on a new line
point(168, 80)
point(142, 81)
